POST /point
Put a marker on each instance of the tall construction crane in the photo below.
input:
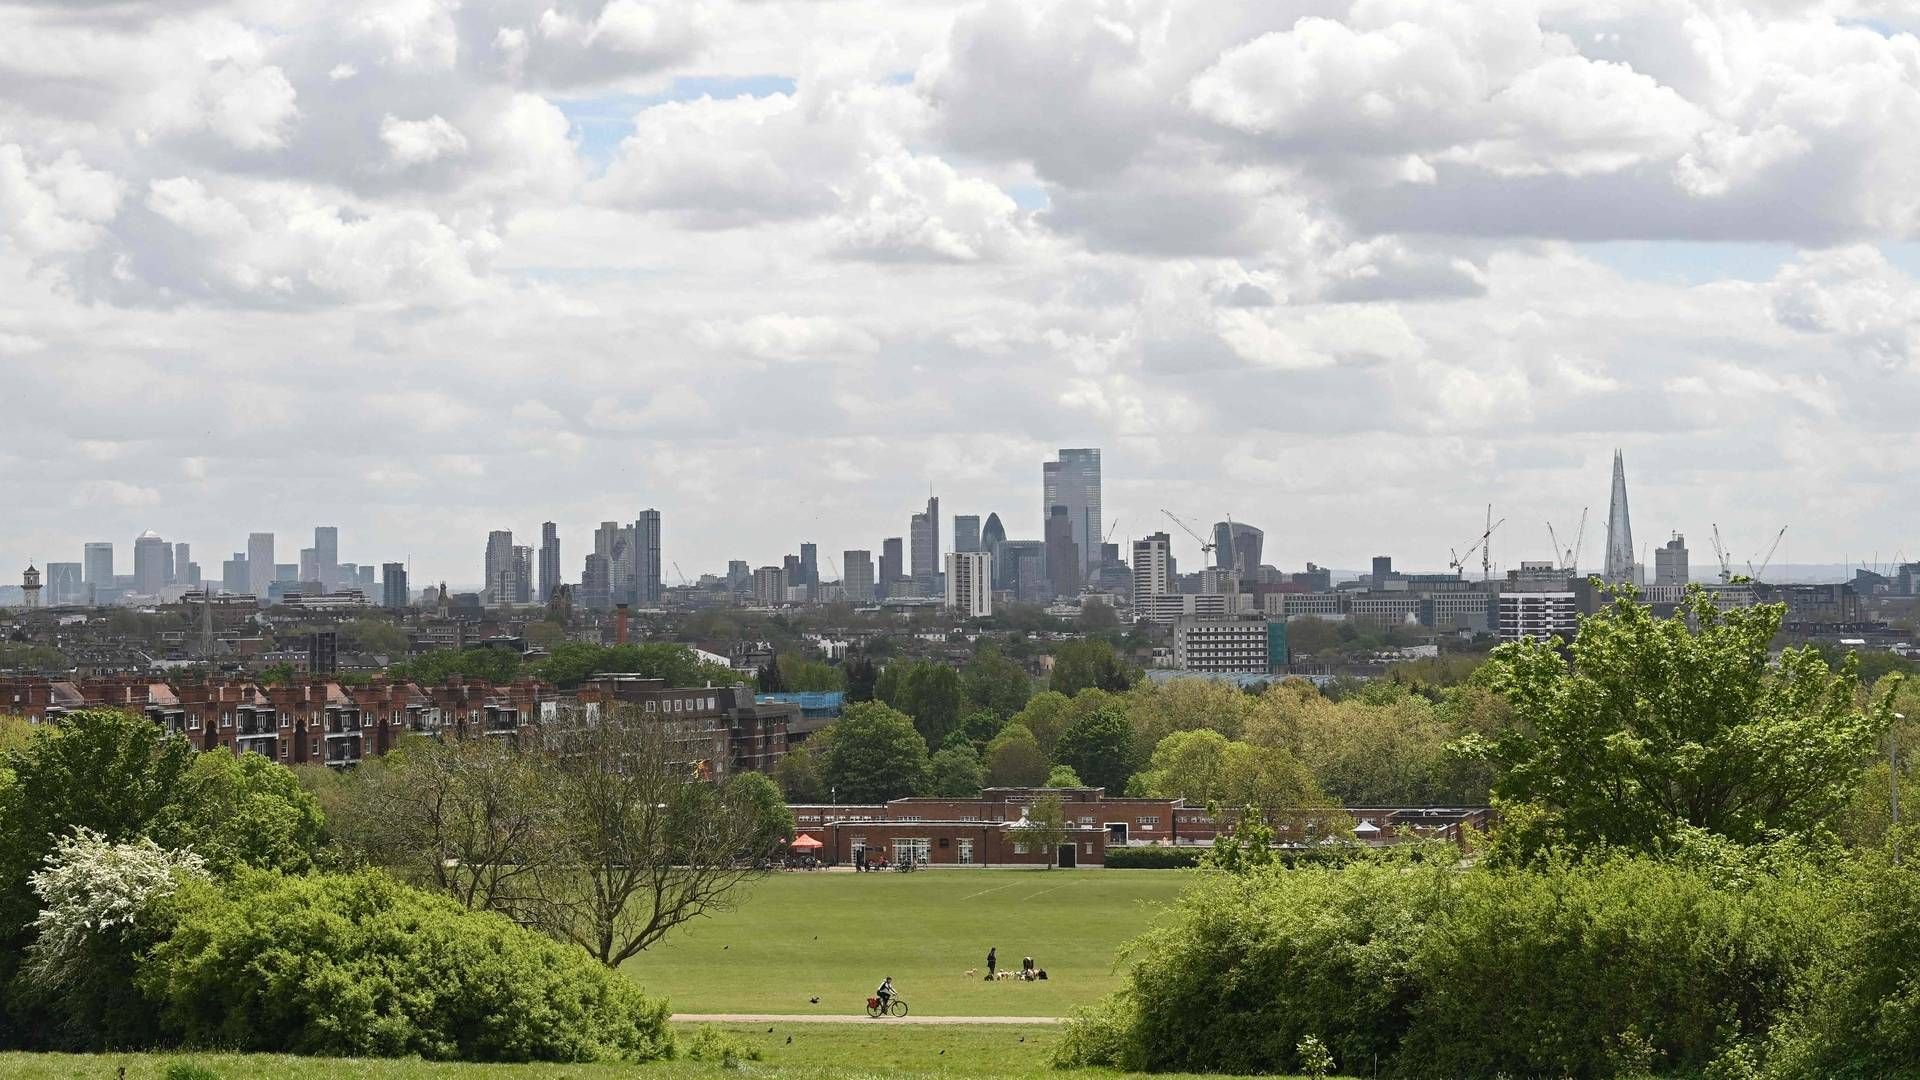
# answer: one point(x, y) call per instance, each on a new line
point(682, 573)
point(1720, 553)
point(836, 568)
point(1206, 547)
point(1768, 557)
point(1569, 558)
point(1458, 560)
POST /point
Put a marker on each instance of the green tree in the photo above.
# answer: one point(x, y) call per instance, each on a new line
point(956, 773)
point(1095, 616)
point(926, 691)
point(978, 728)
point(1046, 715)
point(1099, 747)
point(1659, 727)
point(239, 811)
point(798, 774)
point(1063, 776)
point(493, 664)
point(773, 830)
point(992, 682)
point(1205, 768)
point(875, 755)
point(1246, 847)
point(1046, 827)
point(374, 636)
point(860, 674)
point(1014, 759)
point(770, 678)
point(276, 675)
point(1078, 665)
point(802, 675)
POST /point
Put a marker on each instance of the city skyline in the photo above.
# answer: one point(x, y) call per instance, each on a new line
point(774, 270)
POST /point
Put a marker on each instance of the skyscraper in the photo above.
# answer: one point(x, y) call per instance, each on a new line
point(1236, 547)
point(499, 567)
point(259, 564)
point(393, 585)
point(924, 532)
point(1670, 562)
point(1073, 481)
point(969, 583)
point(809, 565)
point(992, 533)
point(182, 561)
point(891, 568)
point(646, 571)
point(310, 565)
point(150, 557)
point(856, 580)
point(549, 560)
point(521, 588)
point(594, 594)
point(1063, 555)
point(326, 556)
point(1619, 565)
point(233, 575)
point(1151, 571)
point(966, 532)
point(98, 558)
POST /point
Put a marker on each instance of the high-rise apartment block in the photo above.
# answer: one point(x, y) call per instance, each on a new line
point(770, 586)
point(393, 586)
point(1152, 558)
point(970, 583)
point(647, 576)
point(499, 567)
point(1073, 481)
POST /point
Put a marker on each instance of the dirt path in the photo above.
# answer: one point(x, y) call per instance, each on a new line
point(815, 1018)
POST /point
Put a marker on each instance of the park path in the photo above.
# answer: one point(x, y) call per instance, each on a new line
point(816, 1018)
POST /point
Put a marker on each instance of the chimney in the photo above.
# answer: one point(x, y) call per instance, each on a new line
point(620, 625)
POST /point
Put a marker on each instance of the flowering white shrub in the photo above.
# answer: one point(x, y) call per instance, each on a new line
point(91, 887)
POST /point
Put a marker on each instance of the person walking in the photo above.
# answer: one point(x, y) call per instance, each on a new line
point(993, 961)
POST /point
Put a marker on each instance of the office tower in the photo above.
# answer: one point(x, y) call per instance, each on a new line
point(363, 577)
point(499, 567)
point(604, 537)
point(259, 563)
point(326, 550)
point(790, 565)
point(233, 575)
point(770, 586)
point(891, 569)
point(310, 566)
point(393, 585)
point(1073, 481)
point(1670, 562)
point(1063, 555)
point(1382, 571)
point(924, 534)
point(1152, 570)
point(856, 579)
point(150, 557)
point(522, 585)
point(646, 543)
point(66, 584)
point(549, 560)
point(809, 565)
point(286, 571)
point(1619, 562)
point(969, 583)
point(182, 560)
point(738, 573)
point(1236, 547)
point(595, 584)
point(98, 558)
point(1020, 567)
point(992, 533)
point(966, 532)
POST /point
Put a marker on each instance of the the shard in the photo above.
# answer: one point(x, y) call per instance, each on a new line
point(1619, 567)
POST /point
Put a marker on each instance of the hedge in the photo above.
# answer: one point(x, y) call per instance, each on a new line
point(358, 964)
point(1152, 858)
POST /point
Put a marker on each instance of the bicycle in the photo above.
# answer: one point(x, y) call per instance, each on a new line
point(896, 1007)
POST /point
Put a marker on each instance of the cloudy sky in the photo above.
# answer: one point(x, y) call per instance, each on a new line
point(1348, 272)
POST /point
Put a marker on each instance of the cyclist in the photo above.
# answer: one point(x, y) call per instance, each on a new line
point(885, 994)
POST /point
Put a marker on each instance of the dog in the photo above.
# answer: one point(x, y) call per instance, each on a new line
point(1002, 976)
point(971, 972)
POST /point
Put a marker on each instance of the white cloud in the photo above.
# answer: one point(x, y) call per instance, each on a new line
point(416, 142)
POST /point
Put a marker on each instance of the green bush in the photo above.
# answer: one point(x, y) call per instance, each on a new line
point(1616, 968)
point(711, 1044)
point(358, 964)
point(1152, 858)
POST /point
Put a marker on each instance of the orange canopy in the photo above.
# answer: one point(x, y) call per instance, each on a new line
point(807, 843)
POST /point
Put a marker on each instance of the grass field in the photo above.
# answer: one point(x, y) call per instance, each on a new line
point(818, 1052)
point(836, 935)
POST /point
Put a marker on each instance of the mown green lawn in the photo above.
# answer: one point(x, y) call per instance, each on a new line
point(817, 1052)
point(836, 935)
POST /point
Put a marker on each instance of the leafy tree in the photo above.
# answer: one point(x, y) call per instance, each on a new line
point(1046, 827)
point(956, 773)
point(374, 636)
point(994, 683)
point(802, 675)
point(875, 755)
point(1014, 759)
point(1157, 710)
point(1046, 715)
point(544, 634)
point(43, 659)
point(276, 675)
point(860, 673)
point(1095, 616)
point(1661, 726)
point(1099, 747)
point(1205, 768)
point(768, 810)
point(770, 679)
point(1063, 776)
point(1385, 747)
point(978, 728)
point(1246, 847)
point(490, 663)
point(240, 811)
point(573, 662)
point(1078, 665)
point(798, 774)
